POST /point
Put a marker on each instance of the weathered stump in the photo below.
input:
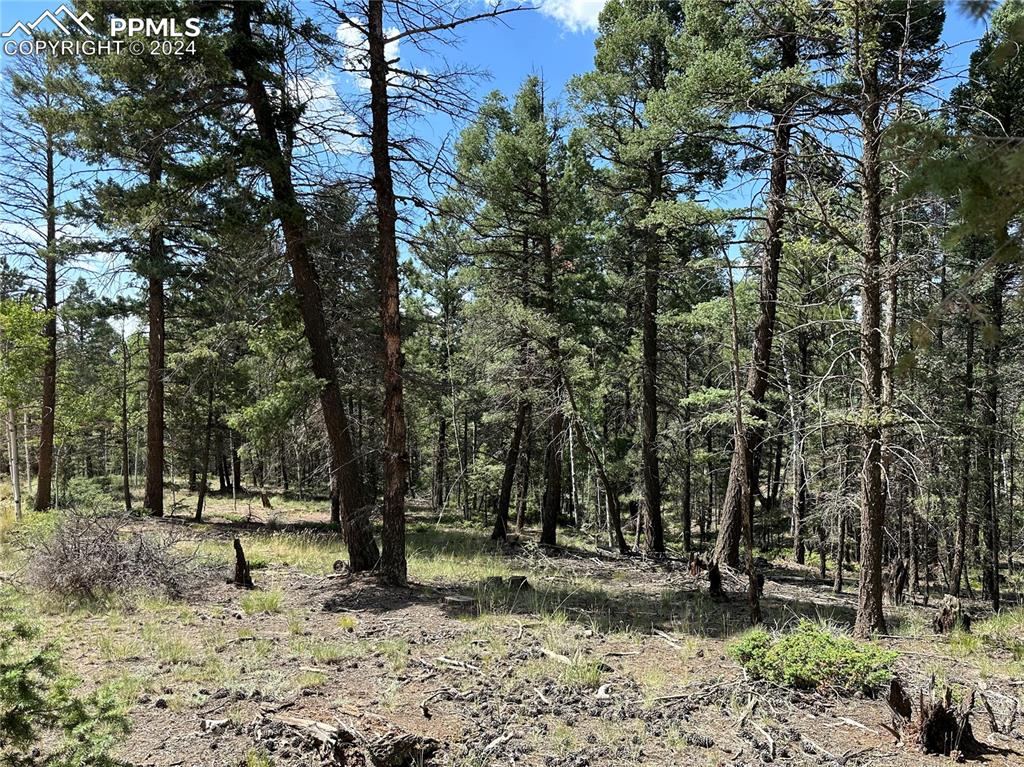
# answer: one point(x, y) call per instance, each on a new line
point(696, 565)
point(940, 727)
point(492, 582)
point(896, 582)
point(715, 583)
point(242, 577)
point(518, 583)
point(943, 729)
point(951, 614)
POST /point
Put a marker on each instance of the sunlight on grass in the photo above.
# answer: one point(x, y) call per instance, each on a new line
point(319, 651)
point(262, 602)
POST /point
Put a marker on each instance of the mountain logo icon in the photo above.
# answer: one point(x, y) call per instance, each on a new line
point(63, 19)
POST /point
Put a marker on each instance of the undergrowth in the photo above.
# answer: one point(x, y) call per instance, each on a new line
point(813, 656)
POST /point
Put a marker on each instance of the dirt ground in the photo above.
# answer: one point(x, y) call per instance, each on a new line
point(597, 661)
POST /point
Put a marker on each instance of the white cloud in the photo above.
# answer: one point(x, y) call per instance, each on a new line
point(356, 57)
point(324, 119)
point(576, 15)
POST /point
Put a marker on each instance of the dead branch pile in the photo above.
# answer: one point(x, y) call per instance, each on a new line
point(338, 744)
point(91, 557)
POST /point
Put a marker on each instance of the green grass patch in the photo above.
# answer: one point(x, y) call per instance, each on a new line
point(262, 602)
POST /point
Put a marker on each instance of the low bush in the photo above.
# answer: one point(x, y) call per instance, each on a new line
point(88, 557)
point(812, 656)
point(37, 703)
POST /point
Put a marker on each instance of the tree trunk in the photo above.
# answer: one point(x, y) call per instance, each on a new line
point(837, 583)
point(335, 498)
point(12, 455)
point(154, 497)
point(283, 458)
point(396, 454)
point(740, 431)
point(362, 549)
point(687, 493)
point(204, 483)
point(967, 451)
point(439, 464)
point(870, 617)
point(745, 462)
point(236, 463)
point(989, 424)
point(500, 531)
point(524, 482)
point(654, 537)
point(126, 486)
point(47, 421)
point(552, 504)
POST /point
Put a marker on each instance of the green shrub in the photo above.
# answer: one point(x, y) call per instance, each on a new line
point(37, 700)
point(813, 656)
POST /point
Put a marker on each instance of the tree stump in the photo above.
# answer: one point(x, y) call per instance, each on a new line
point(715, 583)
point(899, 702)
point(518, 583)
point(940, 727)
point(943, 729)
point(696, 565)
point(951, 614)
point(896, 585)
point(492, 582)
point(242, 577)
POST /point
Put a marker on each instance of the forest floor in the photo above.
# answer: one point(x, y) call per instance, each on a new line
point(600, 661)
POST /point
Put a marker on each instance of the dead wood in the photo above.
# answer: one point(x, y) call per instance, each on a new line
point(940, 727)
point(242, 577)
point(715, 583)
point(951, 615)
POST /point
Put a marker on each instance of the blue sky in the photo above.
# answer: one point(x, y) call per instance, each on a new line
point(556, 42)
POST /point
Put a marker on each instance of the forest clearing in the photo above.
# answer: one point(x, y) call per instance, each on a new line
point(395, 383)
point(598, 659)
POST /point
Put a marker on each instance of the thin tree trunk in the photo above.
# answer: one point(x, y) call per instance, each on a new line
point(740, 431)
point(396, 454)
point(439, 464)
point(283, 459)
point(362, 549)
point(207, 438)
point(28, 460)
point(552, 503)
point(126, 484)
point(524, 482)
point(837, 586)
point(964, 499)
point(870, 616)
point(47, 421)
point(236, 462)
point(500, 531)
point(154, 496)
point(745, 462)
point(653, 531)
point(990, 421)
point(12, 455)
